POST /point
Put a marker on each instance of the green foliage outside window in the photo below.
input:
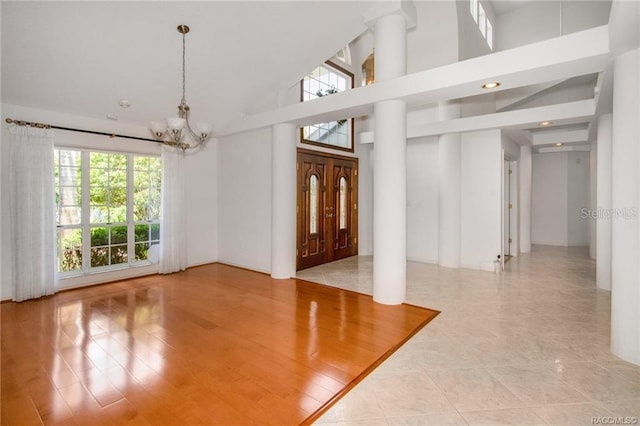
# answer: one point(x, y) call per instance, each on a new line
point(108, 204)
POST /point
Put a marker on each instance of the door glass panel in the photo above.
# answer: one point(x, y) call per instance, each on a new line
point(313, 204)
point(343, 203)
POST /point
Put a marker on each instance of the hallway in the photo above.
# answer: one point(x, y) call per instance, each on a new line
point(527, 346)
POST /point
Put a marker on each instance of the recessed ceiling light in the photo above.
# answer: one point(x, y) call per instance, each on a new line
point(491, 85)
point(546, 123)
point(124, 103)
point(559, 144)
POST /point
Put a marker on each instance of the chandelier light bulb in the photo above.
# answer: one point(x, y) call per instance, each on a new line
point(203, 129)
point(158, 128)
point(175, 123)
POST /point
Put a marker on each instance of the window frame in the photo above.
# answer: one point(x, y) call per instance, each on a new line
point(351, 120)
point(85, 216)
point(473, 9)
point(484, 24)
point(482, 20)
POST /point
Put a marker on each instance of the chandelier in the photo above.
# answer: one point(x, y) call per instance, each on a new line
point(173, 133)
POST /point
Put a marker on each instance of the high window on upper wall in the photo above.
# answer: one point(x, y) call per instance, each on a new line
point(107, 209)
point(482, 19)
point(326, 80)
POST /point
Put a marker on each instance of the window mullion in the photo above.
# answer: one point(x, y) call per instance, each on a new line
point(131, 255)
point(86, 213)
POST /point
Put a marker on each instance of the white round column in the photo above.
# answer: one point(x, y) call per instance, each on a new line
point(603, 203)
point(390, 203)
point(390, 168)
point(449, 196)
point(625, 188)
point(283, 201)
point(524, 175)
point(390, 38)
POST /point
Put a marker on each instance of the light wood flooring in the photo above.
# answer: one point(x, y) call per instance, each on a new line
point(212, 345)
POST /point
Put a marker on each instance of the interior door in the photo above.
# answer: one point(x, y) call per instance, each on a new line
point(327, 202)
point(507, 209)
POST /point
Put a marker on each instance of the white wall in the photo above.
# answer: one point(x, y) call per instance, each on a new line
point(481, 199)
point(540, 20)
point(244, 197)
point(511, 148)
point(593, 200)
point(365, 199)
point(201, 183)
point(471, 41)
point(549, 199)
point(202, 204)
point(577, 198)
point(434, 41)
point(560, 190)
point(528, 24)
point(422, 200)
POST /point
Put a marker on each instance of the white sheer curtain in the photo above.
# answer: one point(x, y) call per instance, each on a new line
point(32, 212)
point(173, 229)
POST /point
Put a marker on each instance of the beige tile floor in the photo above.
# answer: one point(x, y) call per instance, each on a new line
point(528, 346)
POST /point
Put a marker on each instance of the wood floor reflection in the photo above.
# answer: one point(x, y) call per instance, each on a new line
point(212, 345)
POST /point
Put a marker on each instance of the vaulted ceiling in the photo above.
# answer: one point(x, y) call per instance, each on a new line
point(83, 57)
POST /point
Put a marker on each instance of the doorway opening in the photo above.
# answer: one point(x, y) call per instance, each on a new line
point(327, 208)
point(510, 221)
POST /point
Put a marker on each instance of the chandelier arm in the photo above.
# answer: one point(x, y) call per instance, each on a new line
point(183, 146)
point(193, 134)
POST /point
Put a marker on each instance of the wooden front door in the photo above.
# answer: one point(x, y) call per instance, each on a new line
point(327, 219)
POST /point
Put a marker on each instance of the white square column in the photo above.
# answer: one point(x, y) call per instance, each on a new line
point(625, 197)
point(283, 201)
point(449, 189)
point(603, 201)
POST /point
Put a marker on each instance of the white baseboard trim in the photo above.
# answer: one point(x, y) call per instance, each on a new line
point(243, 266)
point(555, 244)
point(422, 260)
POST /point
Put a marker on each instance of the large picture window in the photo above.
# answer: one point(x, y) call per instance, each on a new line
point(326, 80)
point(108, 209)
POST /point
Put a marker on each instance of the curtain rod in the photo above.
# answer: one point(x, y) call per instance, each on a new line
point(93, 132)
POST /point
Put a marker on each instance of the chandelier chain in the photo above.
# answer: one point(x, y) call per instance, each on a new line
point(184, 84)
